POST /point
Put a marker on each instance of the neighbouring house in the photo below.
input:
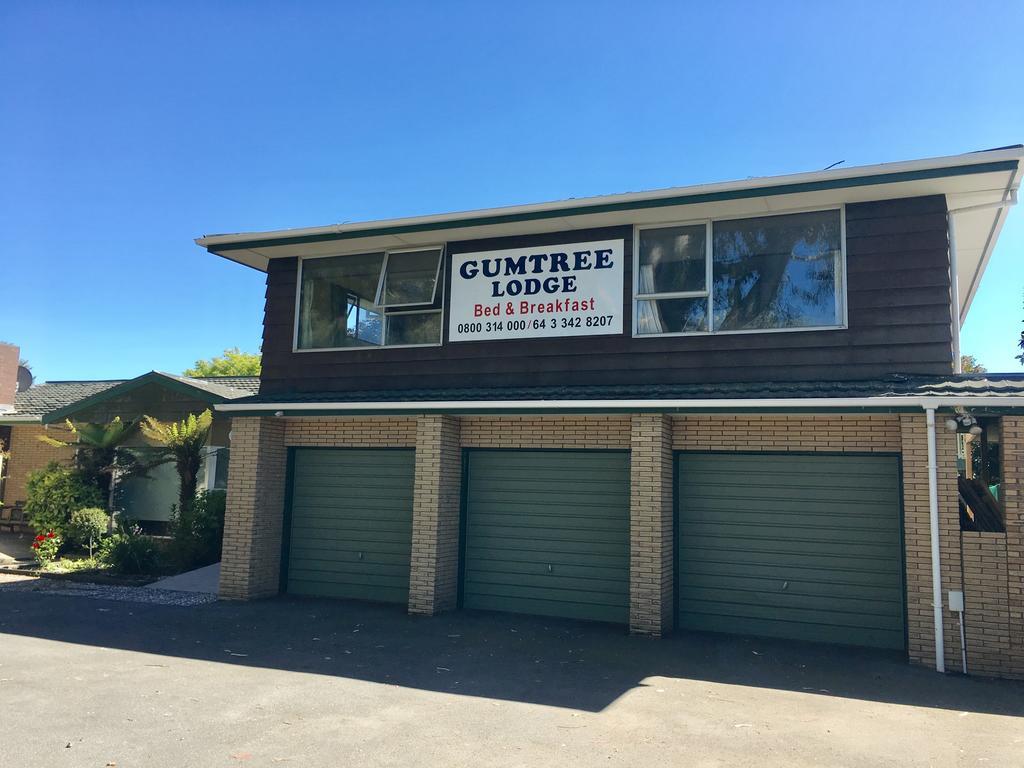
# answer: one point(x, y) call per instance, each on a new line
point(42, 409)
point(734, 407)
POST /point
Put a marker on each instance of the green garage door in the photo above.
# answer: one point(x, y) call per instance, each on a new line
point(547, 532)
point(351, 523)
point(794, 546)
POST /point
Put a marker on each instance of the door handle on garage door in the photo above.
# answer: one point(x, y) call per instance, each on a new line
point(360, 555)
point(550, 569)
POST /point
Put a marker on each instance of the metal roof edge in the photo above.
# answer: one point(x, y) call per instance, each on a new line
point(955, 165)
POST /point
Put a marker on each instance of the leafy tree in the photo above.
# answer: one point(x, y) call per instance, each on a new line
point(55, 493)
point(97, 451)
point(87, 526)
point(233, 362)
point(970, 364)
point(182, 442)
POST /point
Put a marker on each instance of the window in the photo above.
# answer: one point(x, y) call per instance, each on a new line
point(768, 273)
point(980, 473)
point(384, 299)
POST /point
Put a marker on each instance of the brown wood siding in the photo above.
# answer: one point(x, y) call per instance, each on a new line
point(898, 307)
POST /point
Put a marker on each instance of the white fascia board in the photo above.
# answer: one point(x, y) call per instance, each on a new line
point(758, 182)
point(944, 401)
point(9, 418)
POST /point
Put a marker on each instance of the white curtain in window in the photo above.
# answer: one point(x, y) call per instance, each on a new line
point(647, 319)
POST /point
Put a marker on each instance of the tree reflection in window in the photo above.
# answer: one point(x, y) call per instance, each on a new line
point(777, 271)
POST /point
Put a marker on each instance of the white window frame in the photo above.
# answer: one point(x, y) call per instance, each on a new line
point(842, 305)
point(378, 299)
point(438, 286)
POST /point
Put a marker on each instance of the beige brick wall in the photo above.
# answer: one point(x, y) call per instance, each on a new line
point(787, 432)
point(651, 512)
point(1013, 498)
point(434, 568)
point(352, 431)
point(29, 453)
point(917, 540)
point(251, 555)
point(986, 600)
point(539, 431)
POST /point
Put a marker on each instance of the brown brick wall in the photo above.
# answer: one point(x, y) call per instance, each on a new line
point(352, 431)
point(787, 432)
point(539, 431)
point(651, 513)
point(434, 569)
point(251, 554)
point(29, 453)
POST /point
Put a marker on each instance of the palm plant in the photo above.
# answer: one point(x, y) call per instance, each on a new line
point(97, 450)
point(182, 442)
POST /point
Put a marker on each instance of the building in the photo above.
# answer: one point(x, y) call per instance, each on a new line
point(703, 408)
point(42, 409)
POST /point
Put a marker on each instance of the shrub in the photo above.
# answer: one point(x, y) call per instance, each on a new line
point(45, 547)
point(53, 493)
point(86, 527)
point(128, 551)
point(198, 530)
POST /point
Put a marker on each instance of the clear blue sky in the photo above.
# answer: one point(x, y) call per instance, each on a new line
point(129, 128)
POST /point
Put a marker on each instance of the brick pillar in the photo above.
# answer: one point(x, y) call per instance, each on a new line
point(251, 556)
point(1013, 501)
point(917, 539)
point(434, 569)
point(651, 539)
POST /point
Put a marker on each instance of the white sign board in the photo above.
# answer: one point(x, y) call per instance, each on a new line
point(547, 291)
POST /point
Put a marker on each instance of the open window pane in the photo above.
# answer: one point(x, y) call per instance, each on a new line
point(336, 306)
point(411, 278)
point(672, 260)
point(414, 328)
point(777, 271)
point(671, 316)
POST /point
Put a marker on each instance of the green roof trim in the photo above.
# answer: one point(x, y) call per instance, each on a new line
point(153, 377)
point(691, 199)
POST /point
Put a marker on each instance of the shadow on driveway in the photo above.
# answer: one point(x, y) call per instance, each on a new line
point(500, 656)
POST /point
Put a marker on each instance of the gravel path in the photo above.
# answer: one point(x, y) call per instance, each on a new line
point(105, 591)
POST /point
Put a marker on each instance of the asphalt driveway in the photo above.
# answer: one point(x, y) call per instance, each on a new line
point(95, 682)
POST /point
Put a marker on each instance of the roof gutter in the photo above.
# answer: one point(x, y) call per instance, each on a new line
point(804, 403)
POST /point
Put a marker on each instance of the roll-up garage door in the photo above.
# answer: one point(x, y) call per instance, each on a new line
point(547, 533)
point(351, 523)
point(794, 546)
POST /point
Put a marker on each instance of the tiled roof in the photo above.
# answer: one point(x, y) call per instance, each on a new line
point(896, 385)
point(43, 398)
point(40, 399)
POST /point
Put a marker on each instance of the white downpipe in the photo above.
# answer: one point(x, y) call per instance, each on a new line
point(954, 276)
point(933, 522)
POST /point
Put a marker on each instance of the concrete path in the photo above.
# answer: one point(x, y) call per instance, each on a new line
point(303, 682)
point(200, 580)
point(15, 547)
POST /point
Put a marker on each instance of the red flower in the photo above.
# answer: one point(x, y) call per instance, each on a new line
point(35, 545)
point(40, 537)
point(50, 535)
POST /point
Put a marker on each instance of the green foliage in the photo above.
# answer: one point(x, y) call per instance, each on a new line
point(54, 493)
point(183, 443)
point(129, 551)
point(86, 527)
point(75, 565)
point(197, 531)
point(970, 364)
point(45, 547)
point(97, 453)
point(233, 362)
